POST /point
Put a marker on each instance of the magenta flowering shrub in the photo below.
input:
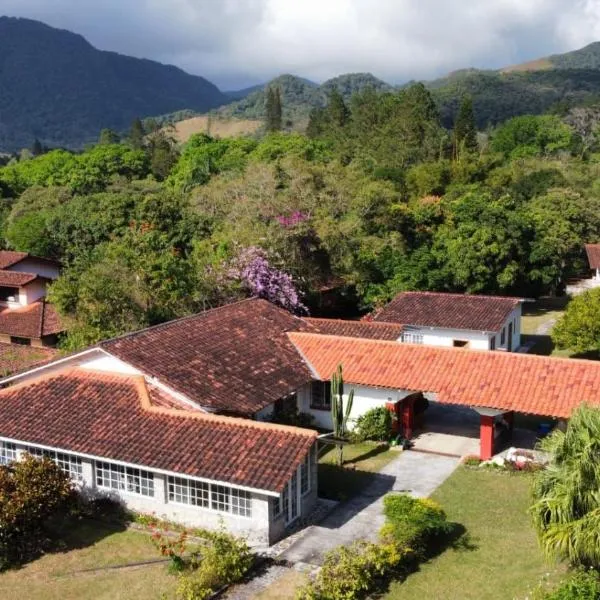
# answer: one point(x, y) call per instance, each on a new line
point(289, 221)
point(260, 278)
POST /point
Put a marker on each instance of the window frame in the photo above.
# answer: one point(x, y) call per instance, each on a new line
point(125, 479)
point(325, 395)
point(6, 449)
point(69, 463)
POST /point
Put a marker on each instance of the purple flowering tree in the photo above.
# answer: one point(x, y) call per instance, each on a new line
point(260, 278)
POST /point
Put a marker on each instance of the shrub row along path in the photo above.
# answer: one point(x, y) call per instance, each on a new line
point(361, 517)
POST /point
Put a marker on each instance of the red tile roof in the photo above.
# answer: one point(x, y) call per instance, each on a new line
point(14, 357)
point(360, 329)
point(235, 359)
point(593, 254)
point(537, 385)
point(114, 417)
point(34, 321)
point(16, 278)
point(450, 311)
point(8, 258)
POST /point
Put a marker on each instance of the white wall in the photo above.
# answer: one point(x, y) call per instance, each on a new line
point(32, 291)
point(515, 318)
point(365, 398)
point(110, 364)
point(30, 265)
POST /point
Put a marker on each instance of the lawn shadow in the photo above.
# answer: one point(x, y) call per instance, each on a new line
point(541, 344)
point(375, 451)
point(75, 533)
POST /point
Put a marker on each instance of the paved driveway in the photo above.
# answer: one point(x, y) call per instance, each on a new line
point(361, 517)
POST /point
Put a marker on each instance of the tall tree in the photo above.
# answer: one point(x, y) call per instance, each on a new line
point(465, 130)
point(566, 508)
point(136, 134)
point(336, 108)
point(278, 110)
point(108, 136)
point(273, 110)
point(37, 148)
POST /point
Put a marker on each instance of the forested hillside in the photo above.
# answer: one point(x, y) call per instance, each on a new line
point(56, 87)
point(380, 198)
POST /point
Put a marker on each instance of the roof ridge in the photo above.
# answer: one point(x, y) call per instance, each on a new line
point(448, 349)
point(459, 294)
point(368, 323)
point(181, 319)
point(142, 386)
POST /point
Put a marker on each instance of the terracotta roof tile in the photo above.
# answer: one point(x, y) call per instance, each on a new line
point(36, 320)
point(235, 359)
point(593, 254)
point(113, 416)
point(502, 380)
point(8, 258)
point(16, 278)
point(359, 329)
point(14, 357)
point(450, 311)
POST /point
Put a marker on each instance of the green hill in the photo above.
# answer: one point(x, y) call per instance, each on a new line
point(57, 87)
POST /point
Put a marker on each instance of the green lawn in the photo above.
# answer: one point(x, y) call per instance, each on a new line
point(91, 545)
point(536, 325)
point(361, 461)
point(501, 559)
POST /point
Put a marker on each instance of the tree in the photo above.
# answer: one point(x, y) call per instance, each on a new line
point(37, 148)
point(108, 136)
point(336, 109)
point(340, 410)
point(136, 135)
point(566, 509)
point(465, 130)
point(579, 327)
point(273, 110)
point(31, 491)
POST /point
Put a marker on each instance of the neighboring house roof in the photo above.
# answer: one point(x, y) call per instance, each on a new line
point(538, 385)
point(8, 258)
point(360, 329)
point(14, 357)
point(16, 278)
point(35, 320)
point(234, 359)
point(593, 254)
point(449, 311)
point(115, 417)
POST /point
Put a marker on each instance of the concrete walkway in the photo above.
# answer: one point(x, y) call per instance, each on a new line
point(416, 473)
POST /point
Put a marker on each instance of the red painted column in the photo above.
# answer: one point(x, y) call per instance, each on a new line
point(486, 437)
point(393, 408)
point(408, 417)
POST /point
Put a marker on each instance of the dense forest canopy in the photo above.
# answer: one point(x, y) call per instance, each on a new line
point(379, 197)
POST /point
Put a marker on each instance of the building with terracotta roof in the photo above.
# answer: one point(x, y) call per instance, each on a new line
point(25, 316)
point(459, 320)
point(593, 255)
point(173, 419)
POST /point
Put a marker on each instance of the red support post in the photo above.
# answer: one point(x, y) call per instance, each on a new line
point(408, 417)
point(486, 437)
point(393, 408)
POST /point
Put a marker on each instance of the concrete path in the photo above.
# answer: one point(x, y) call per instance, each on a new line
point(362, 516)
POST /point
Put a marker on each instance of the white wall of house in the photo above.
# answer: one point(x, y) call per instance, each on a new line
point(261, 527)
point(32, 291)
point(110, 364)
point(30, 265)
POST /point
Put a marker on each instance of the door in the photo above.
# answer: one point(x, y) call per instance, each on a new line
point(510, 337)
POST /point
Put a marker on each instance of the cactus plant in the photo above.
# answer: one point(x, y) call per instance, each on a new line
point(340, 410)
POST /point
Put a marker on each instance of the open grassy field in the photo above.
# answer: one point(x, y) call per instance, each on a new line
point(214, 126)
point(79, 571)
point(501, 559)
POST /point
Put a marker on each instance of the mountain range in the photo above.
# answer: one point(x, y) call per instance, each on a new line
point(57, 88)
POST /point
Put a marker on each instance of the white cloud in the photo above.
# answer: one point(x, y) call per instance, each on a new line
point(238, 41)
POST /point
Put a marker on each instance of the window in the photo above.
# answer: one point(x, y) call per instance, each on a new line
point(9, 294)
point(277, 506)
point(305, 475)
point(320, 395)
point(503, 336)
point(216, 497)
point(8, 452)
point(460, 343)
point(126, 479)
point(412, 337)
point(187, 491)
point(22, 341)
point(493, 343)
point(70, 464)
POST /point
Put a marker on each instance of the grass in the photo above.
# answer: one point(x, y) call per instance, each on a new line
point(284, 588)
point(540, 317)
point(501, 560)
point(361, 462)
point(91, 545)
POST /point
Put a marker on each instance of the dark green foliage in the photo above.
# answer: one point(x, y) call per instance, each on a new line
point(579, 327)
point(465, 131)
point(273, 110)
point(375, 424)
point(136, 134)
point(31, 491)
point(580, 585)
point(108, 137)
point(55, 86)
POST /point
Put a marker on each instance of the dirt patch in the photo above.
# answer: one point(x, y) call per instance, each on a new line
point(541, 64)
point(215, 127)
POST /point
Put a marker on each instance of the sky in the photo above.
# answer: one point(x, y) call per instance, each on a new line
point(237, 43)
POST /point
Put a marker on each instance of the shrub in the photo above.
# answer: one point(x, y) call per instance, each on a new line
point(31, 491)
point(471, 461)
point(581, 585)
point(353, 571)
point(413, 522)
point(375, 424)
